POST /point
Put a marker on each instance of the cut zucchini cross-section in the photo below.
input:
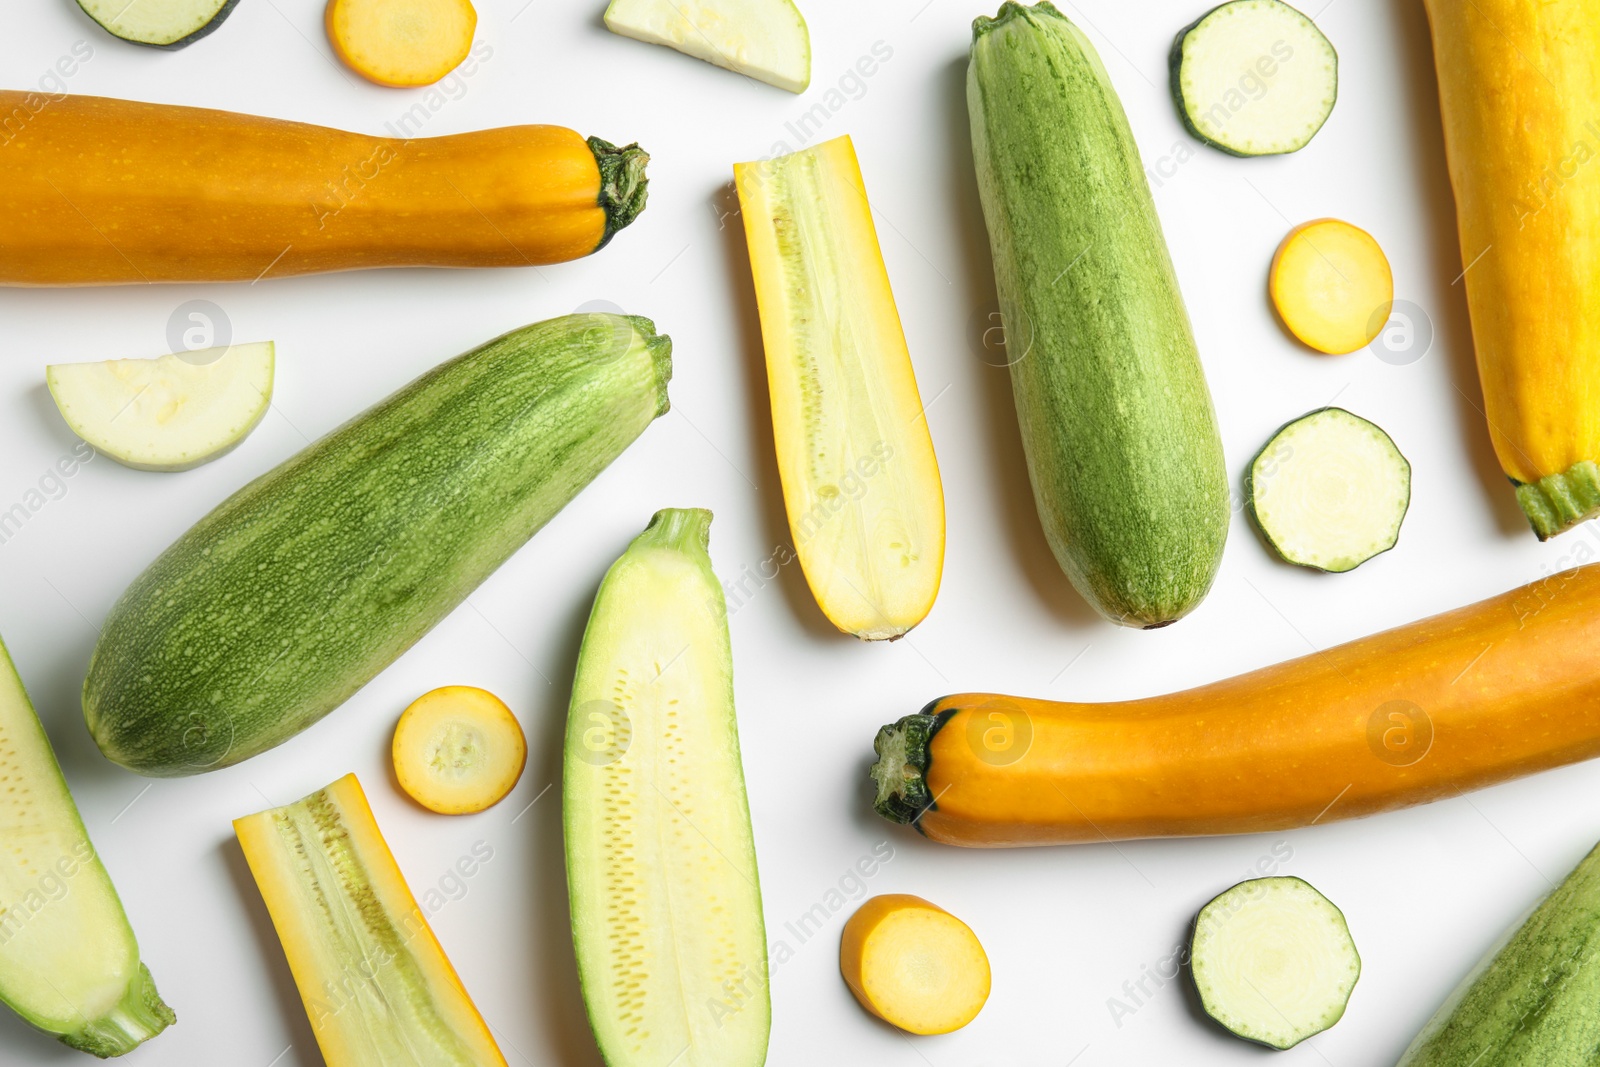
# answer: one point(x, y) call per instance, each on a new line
point(1330, 490)
point(1273, 961)
point(159, 23)
point(1254, 78)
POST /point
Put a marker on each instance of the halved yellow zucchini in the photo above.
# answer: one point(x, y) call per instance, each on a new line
point(866, 508)
point(376, 985)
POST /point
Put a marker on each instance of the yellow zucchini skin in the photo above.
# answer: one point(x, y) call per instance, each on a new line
point(98, 191)
point(1489, 692)
point(376, 985)
point(1517, 86)
point(860, 481)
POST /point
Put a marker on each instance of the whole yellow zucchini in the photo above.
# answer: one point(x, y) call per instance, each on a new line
point(1488, 692)
point(1518, 83)
point(100, 192)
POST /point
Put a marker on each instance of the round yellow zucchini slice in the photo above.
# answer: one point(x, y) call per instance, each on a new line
point(402, 43)
point(1331, 285)
point(458, 750)
point(914, 965)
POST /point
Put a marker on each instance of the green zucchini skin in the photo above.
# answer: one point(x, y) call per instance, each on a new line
point(295, 591)
point(1117, 424)
point(1534, 999)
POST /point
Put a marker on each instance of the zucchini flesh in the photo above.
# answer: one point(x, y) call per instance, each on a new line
point(159, 23)
point(69, 963)
point(295, 591)
point(860, 481)
point(763, 39)
point(1273, 961)
point(172, 413)
point(1531, 1001)
point(1254, 78)
point(1117, 425)
point(661, 864)
point(376, 985)
point(1330, 490)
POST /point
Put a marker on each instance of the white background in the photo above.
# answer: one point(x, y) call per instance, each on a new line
point(1425, 890)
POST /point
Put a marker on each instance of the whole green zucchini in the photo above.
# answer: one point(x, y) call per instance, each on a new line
point(1534, 999)
point(298, 589)
point(1121, 439)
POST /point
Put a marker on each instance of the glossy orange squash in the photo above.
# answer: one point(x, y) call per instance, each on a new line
point(100, 192)
point(1493, 691)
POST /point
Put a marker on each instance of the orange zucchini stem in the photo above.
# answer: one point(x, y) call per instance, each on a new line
point(623, 185)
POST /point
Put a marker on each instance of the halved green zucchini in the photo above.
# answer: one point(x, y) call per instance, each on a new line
point(661, 863)
point(1254, 78)
point(1330, 490)
point(1273, 961)
point(159, 23)
point(69, 963)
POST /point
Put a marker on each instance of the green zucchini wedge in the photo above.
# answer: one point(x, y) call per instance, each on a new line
point(294, 592)
point(69, 963)
point(1117, 424)
point(1534, 999)
point(661, 863)
point(1273, 961)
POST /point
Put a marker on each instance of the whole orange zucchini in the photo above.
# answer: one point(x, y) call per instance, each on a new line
point(99, 192)
point(1517, 86)
point(1475, 696)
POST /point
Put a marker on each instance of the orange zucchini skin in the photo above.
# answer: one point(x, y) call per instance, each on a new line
point(1517, 85)
point(99, 192)
point(1500, 689)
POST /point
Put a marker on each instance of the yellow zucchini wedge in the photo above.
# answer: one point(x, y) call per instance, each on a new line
point(376, 985)
point(458, 750)
point(860, 482)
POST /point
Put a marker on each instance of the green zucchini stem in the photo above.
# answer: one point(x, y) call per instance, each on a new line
point(1558, 502)
point(139, 1016)
point(660, 348)
point(680, 529)
point(623, 185)
point(1011, 10)
point(901, 770)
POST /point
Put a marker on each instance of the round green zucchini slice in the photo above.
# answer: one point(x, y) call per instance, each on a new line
point(1330, 490)
point(1254, 78)
point(1273, 961)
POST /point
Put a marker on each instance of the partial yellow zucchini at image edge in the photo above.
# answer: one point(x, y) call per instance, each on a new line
point(860, 480)
point(376, 985)
point(1528, 213)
